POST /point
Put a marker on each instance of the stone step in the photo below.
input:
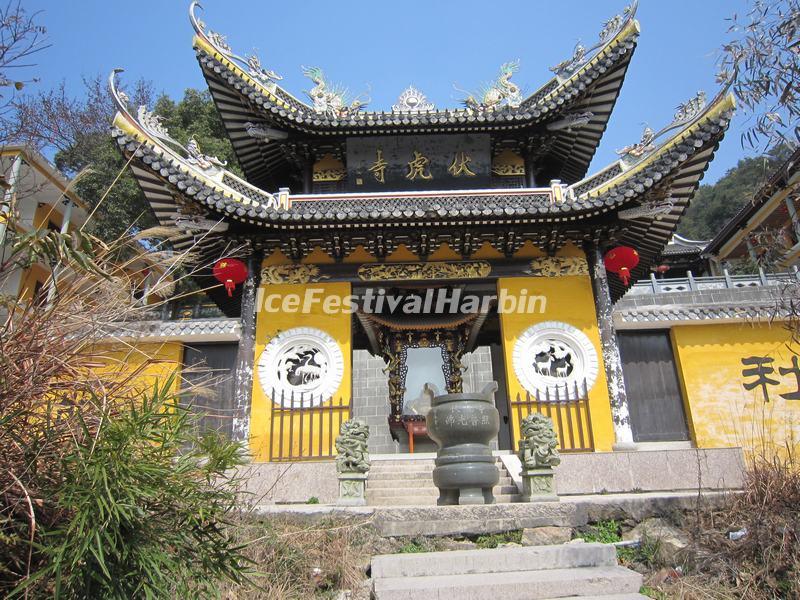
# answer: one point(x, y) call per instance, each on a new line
point(496, 560)
point(421, 481)
point(432, 490)
point(399, 468)
point(427, 500)
point(514, 585)
point(431, 520)
point(409, 474)
point(407, 465)
point(612, 597)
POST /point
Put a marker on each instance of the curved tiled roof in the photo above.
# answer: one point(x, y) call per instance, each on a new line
point(667, 176)
point(164, 170)
point(589, 86)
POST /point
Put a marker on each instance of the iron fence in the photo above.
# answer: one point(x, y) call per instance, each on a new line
point(304, 427)
point(568, 406)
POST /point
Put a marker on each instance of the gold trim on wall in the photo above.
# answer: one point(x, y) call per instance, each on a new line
point(291, 274)
point(508, 163)
point(428, 270)
point(329, 168)
point(558, 266)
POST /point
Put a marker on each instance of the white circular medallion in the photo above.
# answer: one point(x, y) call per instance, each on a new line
point(552, 356)
point(301, 367)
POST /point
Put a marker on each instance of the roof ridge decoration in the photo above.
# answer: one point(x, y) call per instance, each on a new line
point(411, 100)
point(483, 107)
point(251, 62)
point(209, 168)
point(152, 124)
point(331, 99)
point(685, 113)
point(565, 69)
point(502, 91)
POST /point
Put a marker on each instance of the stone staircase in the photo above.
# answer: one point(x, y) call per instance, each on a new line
point(511, 573)
point(407, 482)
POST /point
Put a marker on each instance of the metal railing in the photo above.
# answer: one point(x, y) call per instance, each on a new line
point(567, 406)
point(184, 310)
point(304, 427)
point(726, 281)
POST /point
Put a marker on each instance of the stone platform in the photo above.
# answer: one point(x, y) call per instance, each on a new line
point(405, 479)
point(575, 511)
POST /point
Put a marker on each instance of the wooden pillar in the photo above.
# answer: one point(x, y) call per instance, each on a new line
point(751, 249)
point(8, 200)
point(51, 292)
point(245, 356)
point(308, 176)
point(612, 361)
point(793, 216)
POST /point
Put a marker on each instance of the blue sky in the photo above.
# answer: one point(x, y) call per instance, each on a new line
point(388, 45)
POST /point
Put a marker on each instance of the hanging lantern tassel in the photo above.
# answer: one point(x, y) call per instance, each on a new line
point(621, 260)
point(230, 272)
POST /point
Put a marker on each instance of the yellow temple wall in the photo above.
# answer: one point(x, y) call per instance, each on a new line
point(270, 324)
point(569, 299)
point(720, 411)
point(143, 363)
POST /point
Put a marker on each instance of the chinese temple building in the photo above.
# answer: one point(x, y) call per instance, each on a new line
point(365, 253)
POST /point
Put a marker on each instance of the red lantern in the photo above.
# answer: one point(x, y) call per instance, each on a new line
point(231, 272)
point(621, 260)
point(661, 269)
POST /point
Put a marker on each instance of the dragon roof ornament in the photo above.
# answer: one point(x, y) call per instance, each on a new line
point(412, 101)
point(565, 69)
point(502, 91)
point(331, 99)
point(685, 113)
point(251, 63)
point(650, 209)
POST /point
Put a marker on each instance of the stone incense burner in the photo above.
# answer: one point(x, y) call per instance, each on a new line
point(463, 425)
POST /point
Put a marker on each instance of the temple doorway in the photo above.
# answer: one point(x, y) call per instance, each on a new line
point(421, 355)
point(654, 392)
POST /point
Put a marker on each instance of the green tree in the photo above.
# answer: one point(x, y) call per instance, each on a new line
point(714, 205)
point(78, 129)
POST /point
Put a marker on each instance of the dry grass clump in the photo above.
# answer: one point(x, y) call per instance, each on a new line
point(302, 561)
point(764, 563)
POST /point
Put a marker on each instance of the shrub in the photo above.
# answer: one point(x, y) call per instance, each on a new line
point(142, 505)
point(105, 491)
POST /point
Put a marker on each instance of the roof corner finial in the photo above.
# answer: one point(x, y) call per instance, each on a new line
point(581, 54)
point(197, 24)
point(120, 98)
point(685, 114)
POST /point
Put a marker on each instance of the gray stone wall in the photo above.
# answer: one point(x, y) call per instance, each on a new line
point(371, 400)
point(479, 369)
point(371, 395)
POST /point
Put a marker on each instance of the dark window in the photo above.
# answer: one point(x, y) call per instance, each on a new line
point(328, 187)
point(508, 181)
point(208, 369)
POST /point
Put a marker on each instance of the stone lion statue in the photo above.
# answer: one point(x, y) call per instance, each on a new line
point(351, 445)
point(538, 447)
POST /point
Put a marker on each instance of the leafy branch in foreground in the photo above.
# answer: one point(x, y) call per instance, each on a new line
point(763, 60)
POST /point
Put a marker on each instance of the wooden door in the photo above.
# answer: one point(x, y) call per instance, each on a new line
point(651, 381)
point(211, 366)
